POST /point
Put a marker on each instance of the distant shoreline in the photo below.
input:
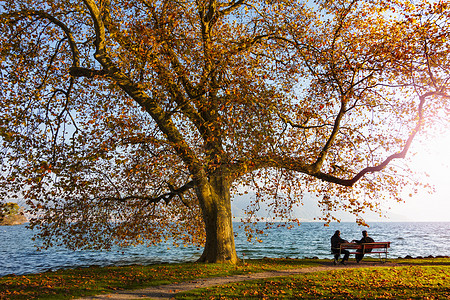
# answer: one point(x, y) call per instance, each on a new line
point(14, 220)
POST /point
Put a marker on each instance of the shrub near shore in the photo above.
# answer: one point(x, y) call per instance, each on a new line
point(11, 214)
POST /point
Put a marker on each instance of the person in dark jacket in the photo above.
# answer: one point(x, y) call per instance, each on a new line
point(336, 240)
point(365, 239)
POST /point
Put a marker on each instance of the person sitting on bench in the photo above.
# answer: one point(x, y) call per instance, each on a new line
point(336, 240)
point(365, 239)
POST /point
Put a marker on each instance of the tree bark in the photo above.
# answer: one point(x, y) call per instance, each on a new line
point(216, 206)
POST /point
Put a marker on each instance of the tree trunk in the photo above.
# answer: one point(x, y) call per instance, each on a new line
point(216, 206)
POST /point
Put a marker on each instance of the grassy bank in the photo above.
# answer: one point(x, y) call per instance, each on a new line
point(68, 284)
point(425, 278)
point(408, 282)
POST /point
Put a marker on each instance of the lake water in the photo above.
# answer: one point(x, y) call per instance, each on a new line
point(19, 256)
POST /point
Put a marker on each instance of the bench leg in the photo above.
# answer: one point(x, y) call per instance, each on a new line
point(382, 259)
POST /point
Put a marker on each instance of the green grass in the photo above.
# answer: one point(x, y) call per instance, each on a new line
point(406, 282)
point(424, 261)
point(68, 284)
point(427, 278)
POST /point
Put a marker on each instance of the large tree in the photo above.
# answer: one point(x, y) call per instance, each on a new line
point(131, 121)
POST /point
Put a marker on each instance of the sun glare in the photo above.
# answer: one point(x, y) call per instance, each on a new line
point(432, 159)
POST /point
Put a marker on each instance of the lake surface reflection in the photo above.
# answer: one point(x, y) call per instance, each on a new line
point(19, 256)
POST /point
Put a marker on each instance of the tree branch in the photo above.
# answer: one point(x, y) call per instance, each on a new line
point(137, 93)
point(382, 165)
point(167, 197)
point(84, 72)
point(54, 20)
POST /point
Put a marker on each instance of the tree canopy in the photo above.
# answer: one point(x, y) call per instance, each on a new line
point(127, 122)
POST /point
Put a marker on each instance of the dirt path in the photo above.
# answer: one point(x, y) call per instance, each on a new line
point(168, 291)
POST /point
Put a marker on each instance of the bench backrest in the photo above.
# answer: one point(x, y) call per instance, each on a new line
point(366, 246)
point(377, 245)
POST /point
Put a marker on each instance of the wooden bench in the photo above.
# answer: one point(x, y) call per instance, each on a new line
point(367, 248)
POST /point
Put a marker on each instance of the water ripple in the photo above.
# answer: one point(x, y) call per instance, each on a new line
point(18, 255)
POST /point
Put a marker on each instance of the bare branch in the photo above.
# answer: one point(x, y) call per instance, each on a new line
point(167, 197)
